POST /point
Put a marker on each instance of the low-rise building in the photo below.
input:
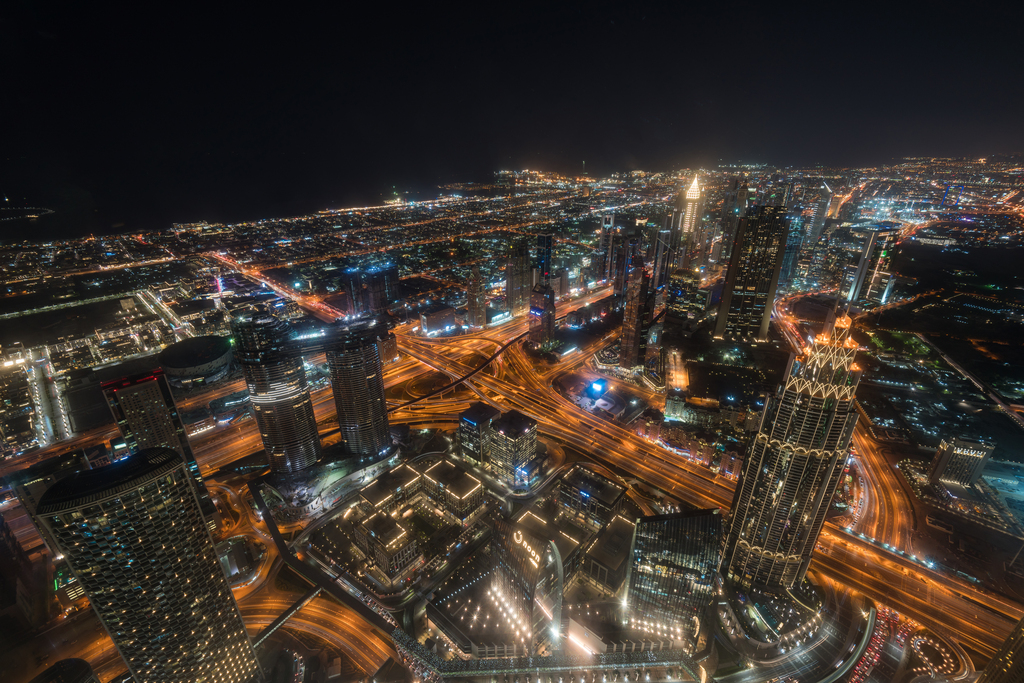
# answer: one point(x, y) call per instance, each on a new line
point(387, 543)
point(589, 497)
point(453, 489)
point(391, 489)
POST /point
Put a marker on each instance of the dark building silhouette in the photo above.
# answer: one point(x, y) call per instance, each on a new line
point(545, 244)
point(542, 314)
point(637, 318)
point(476, 302)
point(518, 279)
point(1008, 664)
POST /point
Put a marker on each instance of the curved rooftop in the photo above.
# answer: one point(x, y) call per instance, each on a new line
point(89, 486)
point(195, 351)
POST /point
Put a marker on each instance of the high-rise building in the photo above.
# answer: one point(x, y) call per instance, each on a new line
point(68, 671)
point(794, 465)
point(476, 425)
point(637, 317)
point(753, 275)
point(791, 254)
point(872, 282)
point(685, 220)
point(514, 447)
point(357, 379)
point(147, 417)
point(545, 243)
point(605, 254)
point(671, 578)
point(517, 279)
point(819, 212)
point(373, 290)
point(542, 314)
point(278, 391)
point(960, 462)
point(135, 537)
point(1008, 664)
point(476, 302)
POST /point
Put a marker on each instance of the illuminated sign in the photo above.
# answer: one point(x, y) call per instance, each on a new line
point(534, 557)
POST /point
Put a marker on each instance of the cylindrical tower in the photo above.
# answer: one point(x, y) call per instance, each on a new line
point(794, 466)
point(277, 389)
point(135, 538)
point(358, 383)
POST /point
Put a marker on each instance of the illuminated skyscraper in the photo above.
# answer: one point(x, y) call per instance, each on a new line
point(528, 584)
point(135, 538)
point(476, 302)
point(960, 462)
point(753, 275)
point(518, 279)
point(1008, 664)
point(358, 383)
point(280, 398)
point(794, 465)
point(673, 566)
point(684, 222)
point(147, 417)
point(545, 244)
point(637, 318)
point(816, 223)
point(542, 314)
point(513, 447)
point(872, 281)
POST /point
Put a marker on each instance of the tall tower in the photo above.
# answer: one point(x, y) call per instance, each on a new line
point(872, 281)
point(820, 213)
point(636, 320)
point(1008, 664)
point(794, 465)
point(358, 383)
point(753, 275)
point(134, 537)
point(542, 314)
point(685, 220)
point(147, 417)
point(476, 303)
point(277, 389)
point(517, 279)
point(545, 243)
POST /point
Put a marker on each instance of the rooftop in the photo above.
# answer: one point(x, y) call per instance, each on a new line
point(593, 484)
point(567, 537)
point(384, 487)
point(611, 547)
point(479, 413)
point(387, 531)
point(456, 481)
point(514, 423)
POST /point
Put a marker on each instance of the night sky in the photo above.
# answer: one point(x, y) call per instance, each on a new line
point(134, 119)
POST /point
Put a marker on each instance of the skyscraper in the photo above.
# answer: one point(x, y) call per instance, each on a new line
point(475, 430)
point(1008, 664)
point(476, 302)
point(545, 243)
point(673, 566)
point(542, 314)
point(147, 417)
point(684, 221)
point(818, 215)
point(513, 447)
point(373, 290)
point(959, 461)
point(637, 318)
point(872, 281)
point(277, 386)
point(134, 536)
point(753, 275)
point(517, 279)
point(794, 465)
point(358, 383)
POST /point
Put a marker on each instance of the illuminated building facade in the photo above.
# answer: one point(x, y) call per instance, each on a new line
point(459, 493)
point(513, 447)
point(387, 542)
point(671, 579)
point(147, 417)
point(545, 245)
point(794, 465)
point(819, 213)
point(528, 587)
point(637, 318)
point(684, 222)
point(753, 275)
point(135, 537)
point(278, 391)
point(872, 282)
point(1008, 664)
point(475, 431)
point(960, 462)
point(357, 379)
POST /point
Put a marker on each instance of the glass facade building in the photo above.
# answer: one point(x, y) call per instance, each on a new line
point(135, 537)
point(674, 564)
point(513, 447)
point(794, 465)
point(1008, 664)
point(357, 378)
point(278, 391)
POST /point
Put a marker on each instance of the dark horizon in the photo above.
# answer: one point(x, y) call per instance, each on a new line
point(125, 122)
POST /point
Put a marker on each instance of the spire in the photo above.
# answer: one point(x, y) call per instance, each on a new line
point(694, 191)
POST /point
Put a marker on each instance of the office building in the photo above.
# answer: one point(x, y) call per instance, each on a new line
point(68, 671)
point(437, 318)
point(528, 584)
point(685, 221)
point(542, 314)
point(357, 379)
point(606, 247)
point(278, 391)
point(514, 448)
point(458, 493)
point(1008, 664)
point(518, 278)
point(147, 417)
point(959, 462)
point(476, 302)
point(475, 429)
point(387, 543)
point(671, 578)
point(373, 290)
point(794, 465)
point(753, 275)
point(637, 318)
point(872, 281)
point(819, 212)
point(590, 498)
point(135, 537)
point(545, 243)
